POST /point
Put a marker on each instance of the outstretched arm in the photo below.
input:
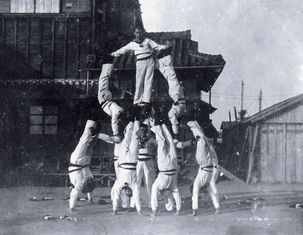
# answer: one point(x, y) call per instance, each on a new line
point(185, 144)
point(106, 138)
point(156, 46)
point(122, 50)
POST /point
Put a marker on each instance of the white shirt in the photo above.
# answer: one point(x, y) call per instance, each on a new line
point(141, 50)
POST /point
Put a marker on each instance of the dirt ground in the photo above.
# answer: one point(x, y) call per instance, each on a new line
point(245, 210)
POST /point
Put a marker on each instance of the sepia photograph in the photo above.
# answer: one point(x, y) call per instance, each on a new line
point(151, 117)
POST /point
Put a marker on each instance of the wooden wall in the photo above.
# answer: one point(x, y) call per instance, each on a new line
point(281, 152)
point(55, 46)
point(292, 115)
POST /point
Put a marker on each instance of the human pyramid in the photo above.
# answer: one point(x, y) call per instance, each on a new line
point(142, 134)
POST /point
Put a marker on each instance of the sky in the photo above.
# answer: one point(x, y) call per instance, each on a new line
point(261, 41)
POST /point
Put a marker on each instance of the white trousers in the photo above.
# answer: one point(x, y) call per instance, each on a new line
point(105, 97)
point(144, 80)
point(125, 200)
point(165, 182)
point(168, 198)
point(146, 171)
point(204, 177)
point(175, 91)
point(77, 179)
point(130, 177)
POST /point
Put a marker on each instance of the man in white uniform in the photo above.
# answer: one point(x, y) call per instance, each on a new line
point(105, 97)
point(127, 161)
point(143, 49)
point(167, 164)
point(207, 162)
point(145, 166)
point(168, 198)
point(175, 88)
point(80, 175)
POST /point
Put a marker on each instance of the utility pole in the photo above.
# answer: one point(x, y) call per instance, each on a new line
point(242, 91)
point(260, 100)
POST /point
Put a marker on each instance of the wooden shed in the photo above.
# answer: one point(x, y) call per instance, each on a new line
point(268, 146)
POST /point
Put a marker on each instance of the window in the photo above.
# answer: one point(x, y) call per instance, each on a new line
point(35, 6)
point(43, 120)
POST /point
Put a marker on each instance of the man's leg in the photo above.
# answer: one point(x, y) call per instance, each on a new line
point(200, 180)
point(116, 191)
point(213, 190)
point(73, 199)
point(174, 114)
point(139, 87)
point(136, 196)
point(148, 81)
point(154, 195)
point(75, 179)
point(139, 172)
point(149, 173)
point(177, 197)
point(114, 111)
point(104, 93)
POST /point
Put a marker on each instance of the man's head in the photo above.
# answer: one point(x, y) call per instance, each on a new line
point(138, 33)
point(128, 191)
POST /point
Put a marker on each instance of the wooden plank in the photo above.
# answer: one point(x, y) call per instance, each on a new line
point(65, 47)
point(280, 143)
point(53, 47)
point(5, 6)
point(243, 147)
point(78, 47)
point(230, 175)
point(290, 154)
point(252, 154)
point(28, 40)
point(40, 46)
point(272, 150)
point(263, 151)
point(93, 28)
point(15, 32)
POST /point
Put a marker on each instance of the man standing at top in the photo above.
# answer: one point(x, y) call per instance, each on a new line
point(143, 49)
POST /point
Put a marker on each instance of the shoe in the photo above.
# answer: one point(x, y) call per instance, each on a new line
point(115, 212)
point(178, 212)
point(194, 212)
